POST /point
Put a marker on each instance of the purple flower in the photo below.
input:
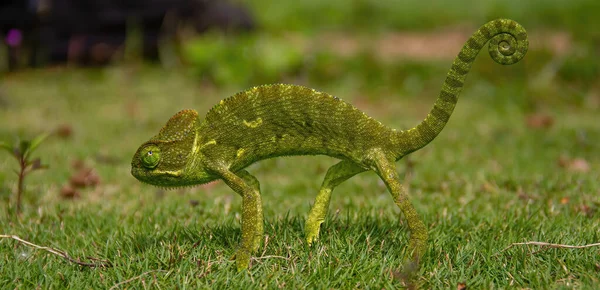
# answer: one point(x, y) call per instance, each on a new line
point(14, 37)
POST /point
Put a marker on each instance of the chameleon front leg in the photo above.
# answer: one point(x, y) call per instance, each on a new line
point(334, 177)
point(386, 169)
point(252, 181)
point(246, 186)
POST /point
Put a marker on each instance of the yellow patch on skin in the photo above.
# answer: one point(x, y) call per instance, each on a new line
point(211, 142)
point(253, 124)
point(240, 152)
point(173, 173)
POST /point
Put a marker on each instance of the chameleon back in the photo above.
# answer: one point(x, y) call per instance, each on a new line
point(275, 120)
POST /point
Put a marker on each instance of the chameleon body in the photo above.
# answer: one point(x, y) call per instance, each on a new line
point(276, 120)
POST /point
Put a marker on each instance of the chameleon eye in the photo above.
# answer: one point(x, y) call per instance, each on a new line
point(150, 156)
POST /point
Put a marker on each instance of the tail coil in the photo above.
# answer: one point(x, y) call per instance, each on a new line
point(507, 45)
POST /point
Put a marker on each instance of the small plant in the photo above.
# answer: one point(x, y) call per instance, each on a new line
point(22, 151)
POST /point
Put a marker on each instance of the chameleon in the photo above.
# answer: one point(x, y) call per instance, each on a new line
point(275, 120)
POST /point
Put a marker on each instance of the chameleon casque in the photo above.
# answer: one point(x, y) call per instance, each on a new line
point(278, 120)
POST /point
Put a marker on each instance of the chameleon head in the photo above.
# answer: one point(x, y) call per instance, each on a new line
point(167, 159)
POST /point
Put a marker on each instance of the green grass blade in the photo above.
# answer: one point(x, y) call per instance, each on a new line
point(35, 143)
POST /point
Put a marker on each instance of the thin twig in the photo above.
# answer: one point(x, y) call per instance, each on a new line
point(269, 257)
point(60, 253)
point(134, 278)
point(550, 245)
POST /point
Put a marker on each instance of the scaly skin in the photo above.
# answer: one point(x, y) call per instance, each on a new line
point(276, 120)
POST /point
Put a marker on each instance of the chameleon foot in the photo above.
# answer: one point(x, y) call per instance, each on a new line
point(242, 259)
point(312, 228)
point(417, 246)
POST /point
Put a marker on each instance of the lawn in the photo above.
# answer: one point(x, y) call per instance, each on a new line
point(517, 162)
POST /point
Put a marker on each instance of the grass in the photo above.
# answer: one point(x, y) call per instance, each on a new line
point(495, 176)
point(486, 182)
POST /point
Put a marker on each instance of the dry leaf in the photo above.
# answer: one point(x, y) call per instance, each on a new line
point(579, 165)
point(461, 286)
point(69, 192)
point(589, 211)
point(85, 177)
point(574, 165)
point(539, 121)
point(64, 131)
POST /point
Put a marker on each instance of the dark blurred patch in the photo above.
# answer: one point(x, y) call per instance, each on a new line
point(94, 32)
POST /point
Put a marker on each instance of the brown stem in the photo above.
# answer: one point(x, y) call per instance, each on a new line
point(20, 186)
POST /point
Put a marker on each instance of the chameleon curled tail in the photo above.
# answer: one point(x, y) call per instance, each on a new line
point(507, 45)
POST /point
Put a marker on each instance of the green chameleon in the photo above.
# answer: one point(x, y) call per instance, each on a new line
point(277, 120)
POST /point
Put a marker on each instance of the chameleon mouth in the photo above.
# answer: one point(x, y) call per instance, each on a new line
point(158, 178)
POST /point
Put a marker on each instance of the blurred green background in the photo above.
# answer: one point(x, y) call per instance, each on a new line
point(518, 160)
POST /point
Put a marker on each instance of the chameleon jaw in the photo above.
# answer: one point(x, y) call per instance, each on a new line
point(172, 179)
point(162, 178)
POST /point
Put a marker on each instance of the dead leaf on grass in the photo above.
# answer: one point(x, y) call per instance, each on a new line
point(587, 210)
point(539, 121)
point(574, 165)
point(69, 192)
point(579, 165)
point(64, 131)
point(84, 177)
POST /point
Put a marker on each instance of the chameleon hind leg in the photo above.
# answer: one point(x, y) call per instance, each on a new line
point(335, 175)
point(386, 169)
point(246, 185)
